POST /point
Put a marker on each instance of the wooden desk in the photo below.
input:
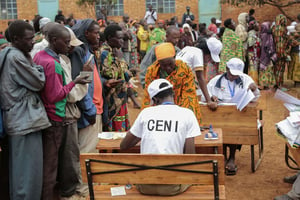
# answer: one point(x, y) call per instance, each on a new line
point(239, 127)
point(202, 146)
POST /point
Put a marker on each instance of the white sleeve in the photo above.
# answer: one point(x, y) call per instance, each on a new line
point(193, 128)
point(198, 60)
point(155, 15)
point(248, 80)
point(137, 127)
point(146, 15)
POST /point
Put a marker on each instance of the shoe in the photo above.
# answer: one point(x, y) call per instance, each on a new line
point(231, 172)
point(283, 197)
point(290, 179)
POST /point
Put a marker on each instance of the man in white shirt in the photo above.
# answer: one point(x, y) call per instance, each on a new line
point(223, 88)
point(193, 57)
point(150, 16)
point(163, 129)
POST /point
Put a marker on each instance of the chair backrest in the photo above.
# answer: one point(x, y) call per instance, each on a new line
point(239, 127)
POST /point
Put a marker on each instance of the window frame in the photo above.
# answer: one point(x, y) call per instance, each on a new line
point(162, 6)
point(117, 9)
point(11, 9)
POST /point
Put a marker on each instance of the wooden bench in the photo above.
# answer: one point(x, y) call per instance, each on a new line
point(239, 127)
point(206, 171)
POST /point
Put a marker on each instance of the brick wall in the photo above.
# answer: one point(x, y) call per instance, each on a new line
point(264, 13)
point(136, 10)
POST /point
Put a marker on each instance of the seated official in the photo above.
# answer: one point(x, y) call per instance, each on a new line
point(223, 88)
point(163, 129)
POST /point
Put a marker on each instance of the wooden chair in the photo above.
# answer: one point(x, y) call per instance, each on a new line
point(206, 171)
point(239, 127)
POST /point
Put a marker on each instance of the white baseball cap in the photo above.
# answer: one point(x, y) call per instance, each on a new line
point(155, 87)
point(44, 21)
point(74, 40)
point(215, 46)
point(235, 66)
point(218, 21)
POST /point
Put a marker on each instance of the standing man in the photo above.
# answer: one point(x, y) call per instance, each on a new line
point(150, 16)
point(23, 113)
point(177, 139)
point(193, 57)
point(59, 18)
point(172, 36)
point(188, 16)
point(54, 98)
point(127, 37)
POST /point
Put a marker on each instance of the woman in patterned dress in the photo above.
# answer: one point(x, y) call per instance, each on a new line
point(268, 52)
point(253, 50)
point(232, 45)
point(179, 75)
point(281, 43)
point(115, 115)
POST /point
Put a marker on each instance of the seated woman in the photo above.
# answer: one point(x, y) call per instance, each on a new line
point(223, 88)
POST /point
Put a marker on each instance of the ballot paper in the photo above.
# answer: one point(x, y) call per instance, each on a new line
point(294, 119)
point(292, 107)
point(285, 97)
point(117, 191)
point(242, 99)
point(111, 135)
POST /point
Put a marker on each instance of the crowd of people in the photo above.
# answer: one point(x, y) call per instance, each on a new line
point(64, 82)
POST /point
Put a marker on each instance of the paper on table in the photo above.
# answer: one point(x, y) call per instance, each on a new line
point(111, 135)
point(285, 97)
point(117, 191)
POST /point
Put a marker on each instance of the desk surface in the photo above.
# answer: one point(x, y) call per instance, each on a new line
point(111, 144)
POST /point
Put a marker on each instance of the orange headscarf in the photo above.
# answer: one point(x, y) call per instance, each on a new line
point(165, 50)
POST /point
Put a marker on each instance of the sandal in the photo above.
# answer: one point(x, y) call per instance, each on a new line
point(230, 172)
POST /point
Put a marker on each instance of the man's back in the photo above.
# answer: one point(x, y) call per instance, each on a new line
point(163, 129)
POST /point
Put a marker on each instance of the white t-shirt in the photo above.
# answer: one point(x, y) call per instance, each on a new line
point(192, 56)
point(149, 19)
point(163, 129)
point(228, 88)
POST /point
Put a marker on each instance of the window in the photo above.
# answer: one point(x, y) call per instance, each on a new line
point(116, 10)
point(162, 6)
point(8, 9)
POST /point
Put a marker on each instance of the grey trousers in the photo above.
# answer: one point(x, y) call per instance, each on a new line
point(26, 166)
point(295, 192)
point(68, 163)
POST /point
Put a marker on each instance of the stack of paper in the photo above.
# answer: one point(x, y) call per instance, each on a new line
point(294, 119)
point(290, 127)
point(291, 133)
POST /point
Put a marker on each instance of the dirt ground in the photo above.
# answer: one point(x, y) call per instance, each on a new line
point(266, 182)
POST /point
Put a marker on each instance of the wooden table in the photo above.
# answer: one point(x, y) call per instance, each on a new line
point(202, 146)
point(239, 127)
